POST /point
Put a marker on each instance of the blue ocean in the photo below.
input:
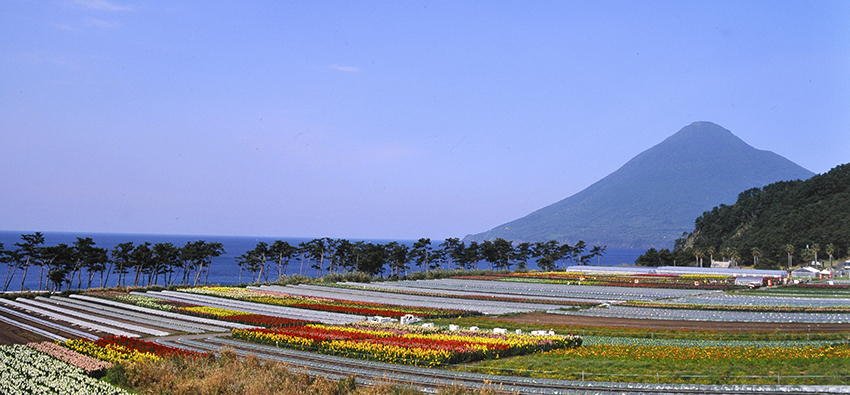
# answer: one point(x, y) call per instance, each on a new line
point(223, 269)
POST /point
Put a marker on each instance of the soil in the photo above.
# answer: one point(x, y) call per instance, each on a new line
point(13, 335)
point(722, 326)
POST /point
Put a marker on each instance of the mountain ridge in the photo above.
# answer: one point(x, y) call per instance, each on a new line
point(655, 196)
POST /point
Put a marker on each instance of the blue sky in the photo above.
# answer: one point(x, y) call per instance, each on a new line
point(391, 119)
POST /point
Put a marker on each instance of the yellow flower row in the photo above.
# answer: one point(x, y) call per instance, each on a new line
point(353, 330)
point(111, 353)
point(389, 353)
point(259, 336)
point(215, 311)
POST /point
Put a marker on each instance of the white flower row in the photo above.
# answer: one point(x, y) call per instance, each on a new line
point(35, 307)
point(162, 313)
point(25, 371)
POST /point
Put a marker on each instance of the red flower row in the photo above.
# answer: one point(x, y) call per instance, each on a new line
point(146, 346)
point(267, 321)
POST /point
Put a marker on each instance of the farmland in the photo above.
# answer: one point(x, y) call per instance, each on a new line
point(518, 336)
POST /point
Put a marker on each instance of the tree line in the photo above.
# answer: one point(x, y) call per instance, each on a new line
point(59, 265)
point(166, 264)
point(327, 255)
point(703, 256)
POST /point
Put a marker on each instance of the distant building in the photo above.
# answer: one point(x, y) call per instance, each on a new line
point(810, 272)
point(724, 264)
point(678, 270)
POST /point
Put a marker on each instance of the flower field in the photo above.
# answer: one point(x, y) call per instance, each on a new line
point(26, 371)
point(202, 311)
point(703, 365)
point(326, 304)
point(117, 349)
point(241, 317)
point(398, 344)
point(804, 345)
point(87, 363)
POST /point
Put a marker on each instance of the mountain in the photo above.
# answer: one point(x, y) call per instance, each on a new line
point(654, 198)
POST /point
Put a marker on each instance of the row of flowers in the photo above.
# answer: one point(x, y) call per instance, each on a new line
point(673, 353)
point(201, 311)
point(116, 349)
point(26, 371)
point(242, 317)
point(396, 345)
point(327, 304)
point(753, 308)
point(821, 286)
point(712, 282)
point(92, 366)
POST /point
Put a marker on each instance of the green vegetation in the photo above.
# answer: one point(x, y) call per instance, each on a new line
point(642, 333)
point(677, 356)
point(814, 290)
point(673, 364)
point(771, 227)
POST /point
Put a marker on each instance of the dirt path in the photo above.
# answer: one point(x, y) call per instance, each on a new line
point(13, 335)
point(722, 326)
point(10, 334)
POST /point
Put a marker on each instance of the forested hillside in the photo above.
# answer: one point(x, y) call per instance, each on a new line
point(808, 218)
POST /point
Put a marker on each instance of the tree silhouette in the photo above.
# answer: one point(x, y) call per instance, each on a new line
point(789, 249)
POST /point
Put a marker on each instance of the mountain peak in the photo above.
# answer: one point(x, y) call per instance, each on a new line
point(656, 196)
point(702, 130)
point(704, 135)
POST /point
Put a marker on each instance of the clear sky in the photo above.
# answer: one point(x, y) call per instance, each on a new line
point(386, 119)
